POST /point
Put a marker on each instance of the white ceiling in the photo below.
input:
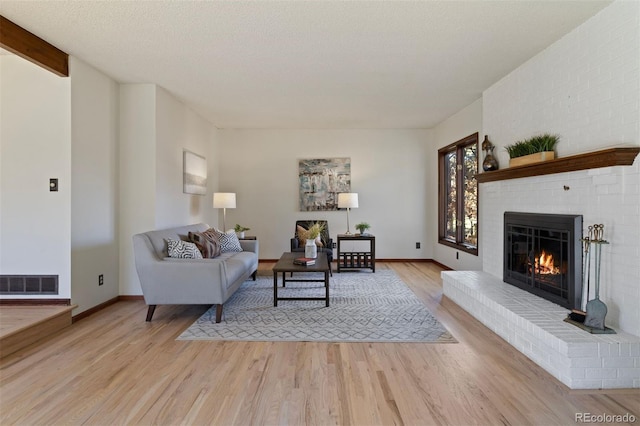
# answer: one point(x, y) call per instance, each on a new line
point(307, 64)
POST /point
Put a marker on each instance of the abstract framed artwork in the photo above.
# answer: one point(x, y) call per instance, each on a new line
point(321, 180)
point(194, 176)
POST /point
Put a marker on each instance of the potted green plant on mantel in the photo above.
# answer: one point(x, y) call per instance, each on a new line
point(362, 227)
point(239, 229)
point(532, 150)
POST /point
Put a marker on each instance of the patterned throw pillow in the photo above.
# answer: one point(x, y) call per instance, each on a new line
point(207, 243)
point(303, 236)
point(229, 243)
point(211, 235)
point(213, 240)
point(183, 249)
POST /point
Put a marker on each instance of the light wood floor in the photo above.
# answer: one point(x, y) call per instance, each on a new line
point(15, 318)
point(21, 326)
point(114, 368)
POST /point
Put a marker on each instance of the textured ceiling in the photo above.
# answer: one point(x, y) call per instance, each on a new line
point(317, 64)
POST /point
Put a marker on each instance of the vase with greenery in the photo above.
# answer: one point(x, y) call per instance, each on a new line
point(313, 233)
point(315, 230)
point(544, 143)
point(239, 229)
point(362, 227)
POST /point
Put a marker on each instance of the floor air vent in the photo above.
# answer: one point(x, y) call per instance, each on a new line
point(28, 284)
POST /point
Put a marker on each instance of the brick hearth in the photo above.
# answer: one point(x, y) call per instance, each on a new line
point(535, 327)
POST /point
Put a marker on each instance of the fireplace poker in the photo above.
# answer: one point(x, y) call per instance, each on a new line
point(596, 309)
point(585, 282)
point(586, 274)
point(579, 315)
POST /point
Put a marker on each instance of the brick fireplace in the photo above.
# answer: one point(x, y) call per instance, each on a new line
point(607, 195)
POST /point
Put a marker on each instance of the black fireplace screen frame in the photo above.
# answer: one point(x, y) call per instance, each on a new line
point(533, 227)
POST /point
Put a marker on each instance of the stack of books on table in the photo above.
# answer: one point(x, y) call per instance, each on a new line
point(304, 261)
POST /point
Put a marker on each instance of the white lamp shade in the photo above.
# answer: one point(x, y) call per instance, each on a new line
point(224, 200)
point(347, 200)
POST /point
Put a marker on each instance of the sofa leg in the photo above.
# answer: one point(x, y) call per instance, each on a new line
point(219, 313)
point(254, 274)
point(150, 312)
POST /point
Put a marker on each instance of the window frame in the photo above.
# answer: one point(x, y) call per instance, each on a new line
point(459, 147)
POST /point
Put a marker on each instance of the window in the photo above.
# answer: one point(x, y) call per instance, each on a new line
point(458, 194)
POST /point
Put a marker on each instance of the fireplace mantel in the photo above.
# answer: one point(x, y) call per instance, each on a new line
point(591, 160)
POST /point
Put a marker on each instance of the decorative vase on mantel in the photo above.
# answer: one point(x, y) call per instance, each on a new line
point(490, 163)
point(311, 249)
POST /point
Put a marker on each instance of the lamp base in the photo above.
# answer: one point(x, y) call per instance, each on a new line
point(348, 227)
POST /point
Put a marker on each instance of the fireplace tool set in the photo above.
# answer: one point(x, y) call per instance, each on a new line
point(591, 318)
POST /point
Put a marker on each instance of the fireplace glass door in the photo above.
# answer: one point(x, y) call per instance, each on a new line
point(541, 259)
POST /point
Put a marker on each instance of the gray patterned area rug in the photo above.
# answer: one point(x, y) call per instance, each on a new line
point(364, 307)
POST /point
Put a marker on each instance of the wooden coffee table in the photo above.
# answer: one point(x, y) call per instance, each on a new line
point(285, 265)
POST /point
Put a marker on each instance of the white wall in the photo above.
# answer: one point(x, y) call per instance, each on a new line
point(35, 141)
point(137, 174)
point(154, 129)
point(389, 171)
point(585, 88)
point(460, 125)
point(94, 186)
point(178, 128)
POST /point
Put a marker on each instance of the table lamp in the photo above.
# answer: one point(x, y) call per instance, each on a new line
point(347, 200)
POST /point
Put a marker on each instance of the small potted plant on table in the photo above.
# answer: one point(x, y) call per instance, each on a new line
point(362, 227)
point(239, 229)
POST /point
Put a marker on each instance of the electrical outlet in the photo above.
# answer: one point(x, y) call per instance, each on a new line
point(53, 185)
point(100, 279)
point(417, 245)
point(334, 245)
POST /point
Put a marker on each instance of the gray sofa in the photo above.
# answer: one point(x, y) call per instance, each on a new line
point(170, 281)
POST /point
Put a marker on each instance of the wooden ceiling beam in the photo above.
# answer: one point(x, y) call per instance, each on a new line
point(29, 46)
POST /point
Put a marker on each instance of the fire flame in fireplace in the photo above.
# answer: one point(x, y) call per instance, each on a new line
point(544, 264)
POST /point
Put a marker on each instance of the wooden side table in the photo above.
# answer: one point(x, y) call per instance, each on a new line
point(351, 260)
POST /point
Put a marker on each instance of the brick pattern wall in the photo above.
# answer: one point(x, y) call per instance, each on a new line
point(586, 88)
point(535, 327)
